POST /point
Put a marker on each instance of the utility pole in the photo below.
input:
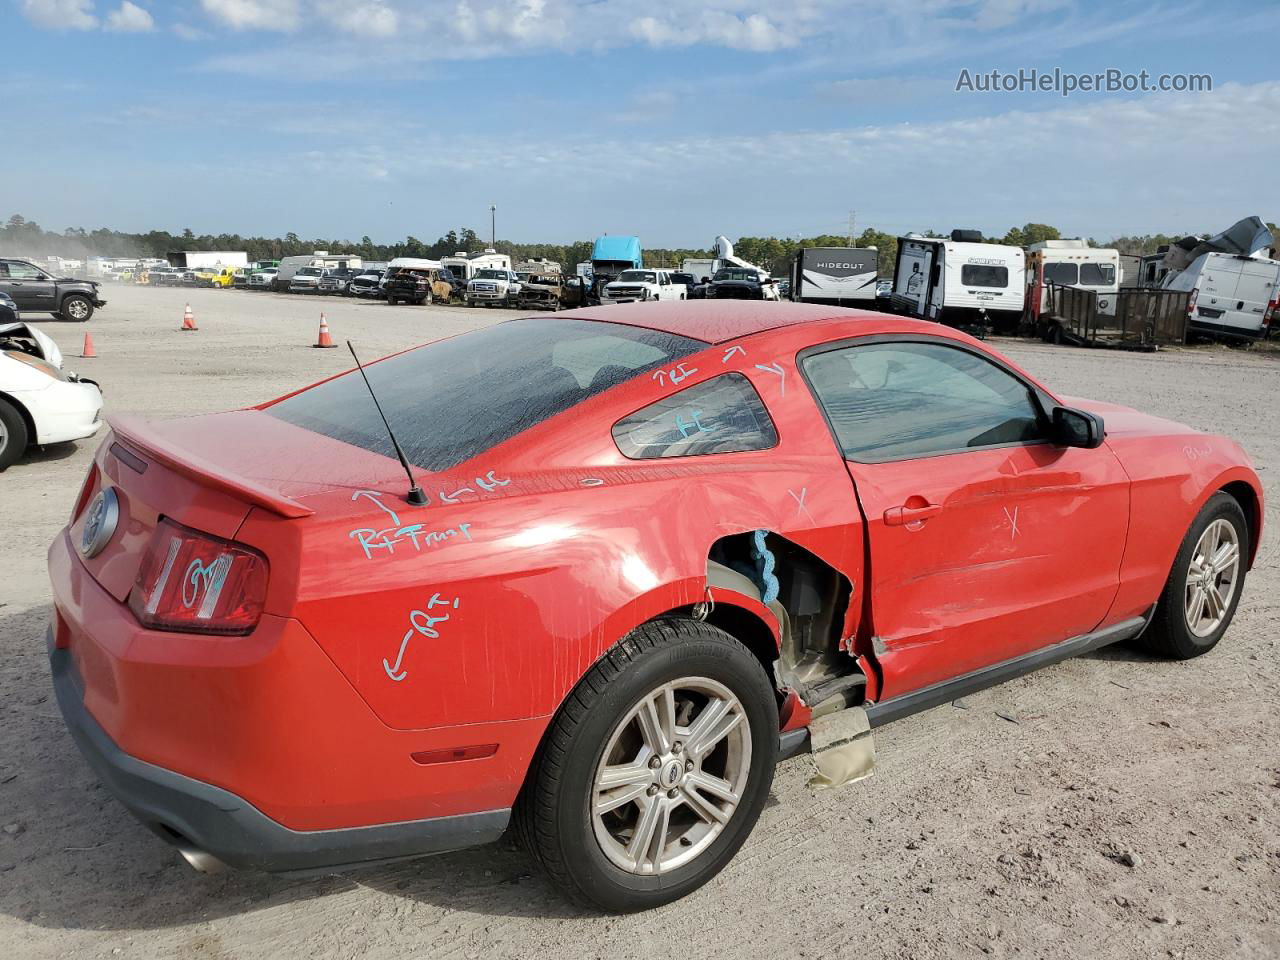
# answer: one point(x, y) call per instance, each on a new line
point(493, 227)
point(852, 216)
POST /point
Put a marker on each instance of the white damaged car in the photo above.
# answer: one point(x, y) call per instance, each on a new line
point(40, 403)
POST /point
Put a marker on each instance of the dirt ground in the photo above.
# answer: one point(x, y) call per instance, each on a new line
point(1110, 806)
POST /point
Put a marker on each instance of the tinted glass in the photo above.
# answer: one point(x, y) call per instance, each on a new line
point(452, 400)
point(1097, 274)
point(899, 401)
point(984, 275)
point(641, 276)
point(1060, 273)
point(724, 415)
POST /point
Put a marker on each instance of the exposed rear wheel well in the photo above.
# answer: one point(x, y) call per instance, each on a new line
point(1248, 500)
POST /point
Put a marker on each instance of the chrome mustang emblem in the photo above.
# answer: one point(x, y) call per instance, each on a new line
point(99, 523)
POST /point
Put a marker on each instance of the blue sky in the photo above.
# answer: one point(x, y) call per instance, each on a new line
point(673, 119)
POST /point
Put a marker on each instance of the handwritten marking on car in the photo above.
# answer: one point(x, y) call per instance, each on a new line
point(1013, 522)
point(384, 541)
point(799, 499)
point(423, 623)
point(775, 368)
point(206, 580)
point(731, 351)
point(1195, 453)
point(376, 497)
point(676, 374)
point(692, 425)
point(489, 481)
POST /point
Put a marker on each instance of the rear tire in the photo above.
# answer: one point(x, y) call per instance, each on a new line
point(13, 435)
point(1205, 584)
point(634, 722)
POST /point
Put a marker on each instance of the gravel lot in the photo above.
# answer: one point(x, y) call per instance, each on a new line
point(1110, 806)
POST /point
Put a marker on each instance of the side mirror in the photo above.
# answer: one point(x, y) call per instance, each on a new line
point(1076, 428)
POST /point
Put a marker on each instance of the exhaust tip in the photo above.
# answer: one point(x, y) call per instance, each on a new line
point(202, 861)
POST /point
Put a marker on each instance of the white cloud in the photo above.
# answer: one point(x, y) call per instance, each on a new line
point(130, 18)
point(61, 14)
point(282, 15)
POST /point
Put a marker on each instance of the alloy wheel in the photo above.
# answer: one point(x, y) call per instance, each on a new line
point(671, 777)
point(1212, 577)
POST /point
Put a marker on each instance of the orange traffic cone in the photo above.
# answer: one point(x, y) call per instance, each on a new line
point(324, 340)
point(188, 319)
point(87, 351)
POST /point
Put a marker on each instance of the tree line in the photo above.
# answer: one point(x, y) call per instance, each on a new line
point(23, 237)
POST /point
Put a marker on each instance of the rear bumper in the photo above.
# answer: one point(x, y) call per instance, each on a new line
point(198, 816)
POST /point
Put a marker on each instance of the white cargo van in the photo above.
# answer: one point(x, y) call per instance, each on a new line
point(1231, 295)
point(956, 281)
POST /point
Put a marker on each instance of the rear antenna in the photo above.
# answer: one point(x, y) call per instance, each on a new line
point(416, 495)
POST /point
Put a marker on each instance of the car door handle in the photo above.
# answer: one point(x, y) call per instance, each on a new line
point(904, 515)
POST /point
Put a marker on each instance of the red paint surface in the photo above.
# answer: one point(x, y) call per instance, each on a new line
point(302, 717)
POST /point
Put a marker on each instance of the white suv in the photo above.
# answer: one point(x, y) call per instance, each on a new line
point(633, 285)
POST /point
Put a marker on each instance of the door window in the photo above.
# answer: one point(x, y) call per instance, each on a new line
point(24, 271)
point(906, 400)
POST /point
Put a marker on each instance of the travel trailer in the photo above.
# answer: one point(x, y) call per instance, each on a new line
point(839, 276)
point(959, 281)
point(1073, 263)
point(464, 266)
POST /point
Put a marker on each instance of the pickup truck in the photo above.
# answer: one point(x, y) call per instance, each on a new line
point(264, 279)
point(217, 277)
point(633, 285)
point(493, 286)
point(35, 291)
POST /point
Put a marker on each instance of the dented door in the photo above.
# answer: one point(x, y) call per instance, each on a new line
point(986, 540)
point(984, 556)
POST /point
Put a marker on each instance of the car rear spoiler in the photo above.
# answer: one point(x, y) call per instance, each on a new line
point(133, 431)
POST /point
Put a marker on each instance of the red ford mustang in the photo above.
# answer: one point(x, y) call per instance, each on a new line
point(652, 550)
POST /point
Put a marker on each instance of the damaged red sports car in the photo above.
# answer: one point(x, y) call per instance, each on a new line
point(648, 551)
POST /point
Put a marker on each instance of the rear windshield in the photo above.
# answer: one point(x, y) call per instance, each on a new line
point(454, 399)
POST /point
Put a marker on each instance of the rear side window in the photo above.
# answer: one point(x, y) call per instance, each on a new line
point(723, 415)
point(984, 275)
point(905, 400)
point(454, 399)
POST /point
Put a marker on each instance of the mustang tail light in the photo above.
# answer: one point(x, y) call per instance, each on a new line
point(86, 491)
point(193, 582)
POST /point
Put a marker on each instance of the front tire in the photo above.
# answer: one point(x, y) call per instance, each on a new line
point(655, 770)
point(1204, 587)
point(13, 435)
point(77, 308)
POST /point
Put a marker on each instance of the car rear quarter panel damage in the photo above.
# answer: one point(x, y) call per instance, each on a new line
point(490, 603)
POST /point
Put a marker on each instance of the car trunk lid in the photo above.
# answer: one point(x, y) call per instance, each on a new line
point(208, 473)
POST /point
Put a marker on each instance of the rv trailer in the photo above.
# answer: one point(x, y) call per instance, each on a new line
point(838, 276)
point(959, 282)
